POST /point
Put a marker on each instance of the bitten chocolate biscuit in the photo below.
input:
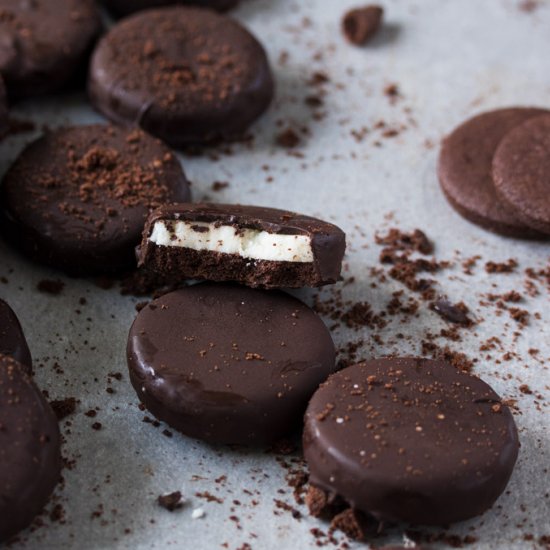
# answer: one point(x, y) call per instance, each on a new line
point(256, 246)
point(228, 364)
point(185, 75)
point(410, 440)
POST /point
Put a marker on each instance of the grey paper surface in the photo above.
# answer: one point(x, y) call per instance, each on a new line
point(450, 59)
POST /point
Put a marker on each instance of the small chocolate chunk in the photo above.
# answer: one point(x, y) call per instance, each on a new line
point(172, 501)
point(361, 24)
point(411, 440)
point(228, 364)
point(256, 246)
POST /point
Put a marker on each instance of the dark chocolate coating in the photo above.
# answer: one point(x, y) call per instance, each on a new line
point(77, 198)
point(3, 108)
point(228, 364)
point(12, 339)
point(465, 162)
point(411, 440)
point(43, 43)
point(328, 244)
point(30, 455)
point(126, 7)
point(196, 77)
point(521, 170)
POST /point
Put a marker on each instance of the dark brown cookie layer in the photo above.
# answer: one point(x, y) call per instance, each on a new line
point(411, 440)
point(328, 243)
point(29, 449)
point(521, 171)
point(197, 77)
point(464, 170)
point(228, 364)
point(12, 339)
point(44, 42)
point(78, 197)
point(126, 7)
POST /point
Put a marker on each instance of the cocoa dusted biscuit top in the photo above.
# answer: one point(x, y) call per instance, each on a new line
point(257, 246)
point(408, 439)
point(186, 75)
point(77, 198)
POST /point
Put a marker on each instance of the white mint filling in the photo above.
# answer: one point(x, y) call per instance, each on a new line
point(247, 243)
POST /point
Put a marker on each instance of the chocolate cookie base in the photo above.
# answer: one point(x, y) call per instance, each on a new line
point(186, 263)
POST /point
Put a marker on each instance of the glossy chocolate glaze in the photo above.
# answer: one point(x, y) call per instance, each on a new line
point(228, 364)
point(29, 449)
point(411, 440)
point(12, 339)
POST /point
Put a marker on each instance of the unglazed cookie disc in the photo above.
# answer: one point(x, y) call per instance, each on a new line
point(521, 171)
point(465, 165)
point(228, 364)
point(411, 440)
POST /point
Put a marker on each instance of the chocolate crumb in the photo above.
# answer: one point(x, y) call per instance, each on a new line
point(53, 287)
point(361, 24)
point(171, 502)
point(288, 138)
point(63, 407)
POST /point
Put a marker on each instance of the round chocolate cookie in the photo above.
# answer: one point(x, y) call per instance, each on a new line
point(77, 198)
point(228, 364)
point(411, 440)
point(197, 76)
point(521, 170)
point(12, 339)
point(125, 7)
point(44, 42)
point(465, 176)
point(29, 449)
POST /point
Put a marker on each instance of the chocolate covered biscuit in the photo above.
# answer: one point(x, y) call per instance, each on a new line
point(253, 245)
point(412, 440)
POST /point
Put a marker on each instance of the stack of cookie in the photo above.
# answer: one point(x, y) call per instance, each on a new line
point(494, 170)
